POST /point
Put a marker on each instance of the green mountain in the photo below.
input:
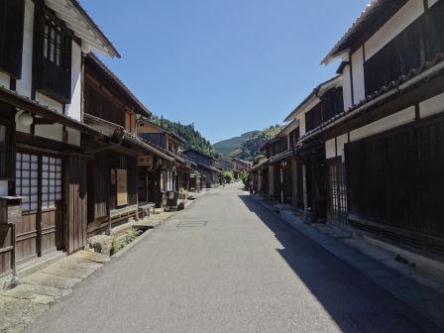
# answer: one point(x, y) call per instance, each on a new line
point(247, 145)
point(189, 133)
point(226, 147)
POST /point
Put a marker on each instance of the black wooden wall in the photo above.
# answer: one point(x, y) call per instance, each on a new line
point(396, 178)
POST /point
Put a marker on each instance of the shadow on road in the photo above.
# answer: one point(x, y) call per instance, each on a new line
point(353, 301)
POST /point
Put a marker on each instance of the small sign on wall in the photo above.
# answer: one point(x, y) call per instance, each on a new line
point(122, 187)
point(145, 161)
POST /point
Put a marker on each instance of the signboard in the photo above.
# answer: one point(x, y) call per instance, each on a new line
point(122, 187)
point(145, 161)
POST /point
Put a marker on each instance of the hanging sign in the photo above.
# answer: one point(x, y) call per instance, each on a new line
point(122, 187)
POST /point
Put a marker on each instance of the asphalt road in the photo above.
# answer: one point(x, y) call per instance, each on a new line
point(228, 265)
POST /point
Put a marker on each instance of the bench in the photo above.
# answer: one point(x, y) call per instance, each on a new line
point(146, 209)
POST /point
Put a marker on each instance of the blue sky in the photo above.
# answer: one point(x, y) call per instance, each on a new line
point(228, 66)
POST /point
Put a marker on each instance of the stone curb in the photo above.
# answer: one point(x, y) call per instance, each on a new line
point(424, 299)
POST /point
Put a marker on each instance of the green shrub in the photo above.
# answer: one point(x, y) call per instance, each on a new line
point(228, 176)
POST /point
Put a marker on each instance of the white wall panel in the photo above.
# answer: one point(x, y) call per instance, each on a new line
point(346, 86)
point(341, 141)
point(4, 80)
point(24, 85)
point(3, 187)
point(48, 101)
point(73, 110)
point(52, 132)
point(330, 149)
point(74, 137)
point(358, 75)
point(431, 106)
point(404, 17)
point(301, 119)
point(400, 118)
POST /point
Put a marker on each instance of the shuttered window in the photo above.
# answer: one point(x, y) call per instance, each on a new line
point(11, 36)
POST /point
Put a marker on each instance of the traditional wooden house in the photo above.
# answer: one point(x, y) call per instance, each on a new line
point(239, 166)
point(273, 150)
point(323, 104)
point(113, 186)
point(210, 176)
point(42, 160)
point(259, 175)
point(172, 177)
point(383, 149)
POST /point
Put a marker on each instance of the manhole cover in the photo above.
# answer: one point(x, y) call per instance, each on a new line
point(191, 224)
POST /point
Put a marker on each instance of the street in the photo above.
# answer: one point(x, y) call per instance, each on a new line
point(226, 264)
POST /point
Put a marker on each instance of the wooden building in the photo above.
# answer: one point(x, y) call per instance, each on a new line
point(113, 186)
point(374, 133)
point(42, 160)
point(210, 176)
point(171, 177)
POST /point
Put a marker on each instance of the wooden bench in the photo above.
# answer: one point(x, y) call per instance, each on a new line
point(146, 209)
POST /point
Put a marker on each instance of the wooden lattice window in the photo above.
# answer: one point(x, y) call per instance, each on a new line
point(27, 183)
point(55, 41)
point(51, 186)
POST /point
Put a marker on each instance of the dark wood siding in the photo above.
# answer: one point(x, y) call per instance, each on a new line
point(419, 42)
point(395, 179)
point(7, 143)
point(76, 195)
point(98, 187)
point(332, 103)
point(11, 36)
point(103, 106)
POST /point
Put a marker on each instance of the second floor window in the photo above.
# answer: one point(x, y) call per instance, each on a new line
point(52, 60)
point(53, 49)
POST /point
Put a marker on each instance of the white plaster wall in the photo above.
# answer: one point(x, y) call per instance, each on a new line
point(358, 75)
point(48, 101)
point(431, 106)
point(432, 2)
point(3, 187)
point(330, 149)
point(346, 87)
point(4, 80)
point(400, 118)
point(74, 137)
point(21, 128)
point(301, 118)
point(24, 85)
point(52, 132)
point(404, 17)
point(341, 141)
point(73, 110)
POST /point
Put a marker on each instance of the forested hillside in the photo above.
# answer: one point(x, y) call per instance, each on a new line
point(248, 149)
point(189, 133)
point(226, 147)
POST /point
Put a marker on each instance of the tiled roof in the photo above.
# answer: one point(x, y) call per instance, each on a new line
point(95, 60)
point(388, 89)
point(376, 13)
point(281, 156)
point(91, 21)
